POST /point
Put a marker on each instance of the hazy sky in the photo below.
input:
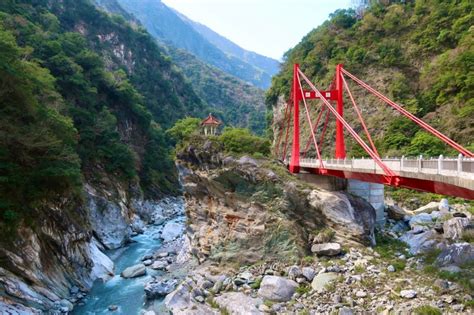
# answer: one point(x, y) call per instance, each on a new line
point(269, 27)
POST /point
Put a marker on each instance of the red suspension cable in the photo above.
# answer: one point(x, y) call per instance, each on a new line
point(360, 117)
point(321, 165)
point(316, 124)
point(415, 119)
point(354, 134)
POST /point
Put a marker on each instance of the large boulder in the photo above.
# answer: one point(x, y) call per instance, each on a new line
point(326, 249)
point(454, 228)
point(277, 289)
point(134, 271)
point(181, 301)
point(238, 303)
point(456, 254)
point(421, 220)
point(171, 231)
point(320, 282)
point(420, 242)
point(156, 288)
point(350, 217)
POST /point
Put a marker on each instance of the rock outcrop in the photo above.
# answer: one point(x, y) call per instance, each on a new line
point(245, 210)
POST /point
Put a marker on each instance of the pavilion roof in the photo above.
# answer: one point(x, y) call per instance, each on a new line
point(211, 120)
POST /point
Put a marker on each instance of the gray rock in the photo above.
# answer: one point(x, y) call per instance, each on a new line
point(156, 288)
point(391, 268)
point(395, 212)
point(294, 272)
point(453, 228)
point(171, 231)
point(422, 220)
point(421, 242)
point(361, 294)
point(134, 271)
point(66, 304)
point(247, 160)
point(321, 280)
point(408, 294)
point(277, 288)
point(308, 273)
point(239, 303)
point(159, 265)
point(199, 298)
point(147, 262)
point(345, 311)
point(181, 302)
point(326, 249)
point(456, 254)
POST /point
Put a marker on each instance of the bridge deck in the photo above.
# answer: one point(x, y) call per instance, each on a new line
point(448, 176)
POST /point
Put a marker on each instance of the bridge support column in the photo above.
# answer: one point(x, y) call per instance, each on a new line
point(340, 145)
point(295, 152)
point(373, 193)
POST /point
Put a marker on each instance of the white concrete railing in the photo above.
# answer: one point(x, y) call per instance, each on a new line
point(459, 167)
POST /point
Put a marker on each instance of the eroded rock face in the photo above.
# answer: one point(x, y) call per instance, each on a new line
point(246, 210)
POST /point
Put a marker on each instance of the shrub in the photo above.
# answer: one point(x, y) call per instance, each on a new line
point(242, 141)
point(427, 310)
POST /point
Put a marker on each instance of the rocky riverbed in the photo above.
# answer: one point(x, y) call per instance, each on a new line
point(268, 243)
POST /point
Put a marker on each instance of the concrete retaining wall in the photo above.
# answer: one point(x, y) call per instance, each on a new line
point(373, 193)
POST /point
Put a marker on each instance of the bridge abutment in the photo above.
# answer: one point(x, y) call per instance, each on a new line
point(373, 193)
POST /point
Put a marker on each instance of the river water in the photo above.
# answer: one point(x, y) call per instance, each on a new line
point(127, 294)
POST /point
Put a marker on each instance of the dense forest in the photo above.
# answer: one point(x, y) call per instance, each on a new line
point(420, 53)
point(84, 96)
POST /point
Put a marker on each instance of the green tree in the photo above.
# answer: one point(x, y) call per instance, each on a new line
point(184, 128)
point(242, 141)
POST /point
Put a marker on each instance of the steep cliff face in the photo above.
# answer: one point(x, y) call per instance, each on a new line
point(245, 210)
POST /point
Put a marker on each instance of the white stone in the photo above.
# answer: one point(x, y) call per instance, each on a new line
point(432, 206)
point(408, 294)
point(321, 280)
point(239, 303)
point(134, 271)
point(277, 288)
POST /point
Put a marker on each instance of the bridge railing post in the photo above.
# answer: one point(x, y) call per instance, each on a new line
point(440, 164)
point(420, 160)
point(401, 162)
point(459, 163)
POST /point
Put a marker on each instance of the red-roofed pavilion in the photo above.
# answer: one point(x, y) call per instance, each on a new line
point(210, 125)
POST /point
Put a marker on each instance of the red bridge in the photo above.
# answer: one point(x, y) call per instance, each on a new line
point(446, 176)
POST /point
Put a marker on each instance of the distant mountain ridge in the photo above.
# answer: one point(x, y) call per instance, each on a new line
point(165, 24)
point(267, 64)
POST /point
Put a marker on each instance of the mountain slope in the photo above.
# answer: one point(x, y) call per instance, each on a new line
point(236, 102)
point(419, 53)
point(83, 156)
point(269, 65)
point(163, 23)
